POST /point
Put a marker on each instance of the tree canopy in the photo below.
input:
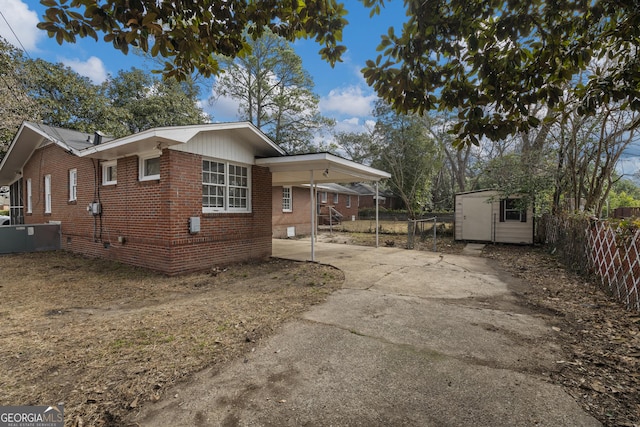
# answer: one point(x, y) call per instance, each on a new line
point(189, 32)
point(487, 61)
point(490, 60)
point(274, 92)
point(54, 94)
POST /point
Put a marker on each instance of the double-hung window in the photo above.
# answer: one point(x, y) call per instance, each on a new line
point(511, 210)
point(335, 198)
point(47, 194)
point(348, 201)
point(73, 185)
point(29, 197)
point(225, 187)
point(287, 205)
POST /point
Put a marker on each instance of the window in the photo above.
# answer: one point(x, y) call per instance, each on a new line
point(47, 194)
point(323, 197)
point(73, 185)
point(110, 172)
point(29, 197)
point(348, 201)
point(287, 205)
point(225, 187)
point(149, 167)
point(335, 199)
point(510, 210)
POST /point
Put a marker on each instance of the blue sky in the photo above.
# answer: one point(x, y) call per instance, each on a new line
point(344, 95)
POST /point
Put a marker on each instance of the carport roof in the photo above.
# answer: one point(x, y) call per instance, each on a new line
point(318, 168)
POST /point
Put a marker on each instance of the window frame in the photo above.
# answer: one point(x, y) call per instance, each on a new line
point(29, 196)
point(47, 194)
point(348, 200)
point(73, 185)
point(336, 198)
point(509, 209)
point(287, 198)
point(227, 185)
point(323, 197)
point(142, 161)
point(111, 164)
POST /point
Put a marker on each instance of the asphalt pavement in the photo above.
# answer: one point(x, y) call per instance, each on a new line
point(413, 339)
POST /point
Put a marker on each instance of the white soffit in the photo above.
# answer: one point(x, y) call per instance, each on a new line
point(326, 168)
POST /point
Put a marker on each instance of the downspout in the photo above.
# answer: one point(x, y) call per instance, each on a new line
point(313, 219)
point(377, 226)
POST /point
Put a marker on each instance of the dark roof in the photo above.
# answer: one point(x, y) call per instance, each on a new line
point(73, 138)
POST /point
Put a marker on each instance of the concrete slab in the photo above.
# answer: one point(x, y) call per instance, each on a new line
point(473, 249)
point(414, 338)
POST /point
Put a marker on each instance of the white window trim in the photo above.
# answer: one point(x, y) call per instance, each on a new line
point(226, 208)
point(290, 198)
point(105, 167)
point(47, 194)
point(29, 197)
point(348, 200)
point(73, 185)
point(141, 160)
point(323, 197)
point(336, 198)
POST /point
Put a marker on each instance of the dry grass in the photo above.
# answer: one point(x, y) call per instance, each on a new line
point(105, 338)
point(393, 233)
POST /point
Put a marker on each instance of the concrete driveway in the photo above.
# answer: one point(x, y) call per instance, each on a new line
point(413, 338)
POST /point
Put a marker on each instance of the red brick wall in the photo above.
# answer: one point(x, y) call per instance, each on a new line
point(299, 217)
point(151, 216)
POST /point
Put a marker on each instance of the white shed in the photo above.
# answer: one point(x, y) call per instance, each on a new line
point(484, 216)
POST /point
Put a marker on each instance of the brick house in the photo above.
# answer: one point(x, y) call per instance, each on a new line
point(367, 197)
point(292, 207)
point(175, 199)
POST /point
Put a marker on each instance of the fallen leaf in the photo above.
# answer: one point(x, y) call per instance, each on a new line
point(597, 386)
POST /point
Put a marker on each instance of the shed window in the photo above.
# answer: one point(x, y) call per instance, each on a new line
point(511, 210)
point(287, 205)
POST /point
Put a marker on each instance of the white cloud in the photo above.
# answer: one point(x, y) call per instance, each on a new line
point(22, 22)
point(92, 68)
point(354, 125)
point(350, 100)
point(223, 109)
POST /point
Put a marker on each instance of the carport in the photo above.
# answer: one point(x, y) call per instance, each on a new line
point(320, 168)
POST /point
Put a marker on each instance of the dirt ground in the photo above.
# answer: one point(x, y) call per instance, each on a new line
point(105, 338)
point(600, 339)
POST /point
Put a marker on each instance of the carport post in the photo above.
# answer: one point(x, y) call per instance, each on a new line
point(377, 226)
point(313, 219)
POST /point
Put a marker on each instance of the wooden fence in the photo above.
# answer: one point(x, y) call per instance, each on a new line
point(593, 246)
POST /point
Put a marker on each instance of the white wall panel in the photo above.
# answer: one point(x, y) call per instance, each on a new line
point(218, 145)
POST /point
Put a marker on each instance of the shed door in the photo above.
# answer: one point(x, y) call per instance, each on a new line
point(476, 219)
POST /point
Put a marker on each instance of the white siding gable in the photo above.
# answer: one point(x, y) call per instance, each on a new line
point(219, 145)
